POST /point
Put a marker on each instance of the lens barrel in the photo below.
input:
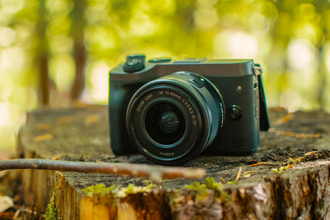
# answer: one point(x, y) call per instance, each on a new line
point(174, 118)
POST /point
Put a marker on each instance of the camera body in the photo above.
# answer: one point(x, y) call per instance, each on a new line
point(237, 111)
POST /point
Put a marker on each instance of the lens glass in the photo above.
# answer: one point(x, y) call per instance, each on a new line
point(165, 123)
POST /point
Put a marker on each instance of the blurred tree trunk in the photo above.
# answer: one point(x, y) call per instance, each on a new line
point(79, 52)
point(42, 57)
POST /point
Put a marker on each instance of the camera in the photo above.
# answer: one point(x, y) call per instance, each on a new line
point(173, 110)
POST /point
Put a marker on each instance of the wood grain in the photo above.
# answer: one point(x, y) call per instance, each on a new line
point(301, 192)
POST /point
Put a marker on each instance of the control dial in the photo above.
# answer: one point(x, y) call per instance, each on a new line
point(134, 63)
point(235, 112)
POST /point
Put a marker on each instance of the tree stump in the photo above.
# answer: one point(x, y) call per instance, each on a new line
point(283, 187)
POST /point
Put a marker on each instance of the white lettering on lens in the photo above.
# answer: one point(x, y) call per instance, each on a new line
point(161, 92)
point(140, 106)
point(175, 95)
point(166, 153)
point(148, 97)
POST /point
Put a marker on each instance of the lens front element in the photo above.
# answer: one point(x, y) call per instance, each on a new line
point(165, 123)
point(172, 119)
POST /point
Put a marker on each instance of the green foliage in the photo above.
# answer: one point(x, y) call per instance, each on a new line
point(200, 191)
point(196, 186)
point(99, 189)
point(211, 184)
point(51, 212)
point(149, 184)
point(234, 182)
point(277, 171)
point(290, 39)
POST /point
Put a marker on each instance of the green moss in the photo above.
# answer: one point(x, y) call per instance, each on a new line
point(234, 182)
point(211, 184)
point(51, 212)
point(149, 184)
point(200, 191)
point(224, 197)
point(98, 189)
point(279, 170)
point(196, 186)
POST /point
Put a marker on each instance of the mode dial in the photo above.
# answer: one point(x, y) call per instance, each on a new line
point(134, 63)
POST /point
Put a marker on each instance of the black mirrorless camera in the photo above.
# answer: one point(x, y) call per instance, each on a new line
point(171, 111)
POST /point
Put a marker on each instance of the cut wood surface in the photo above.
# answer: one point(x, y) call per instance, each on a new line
point(289, 179)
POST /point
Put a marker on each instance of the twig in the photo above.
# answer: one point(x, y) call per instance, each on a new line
point(239, 173)
point(297, 135)
point(261, 163)
point(285, 119)
point(153, 172)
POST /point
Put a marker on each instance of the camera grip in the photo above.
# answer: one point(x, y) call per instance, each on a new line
point(120, 141)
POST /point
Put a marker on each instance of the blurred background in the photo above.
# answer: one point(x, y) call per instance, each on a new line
point(57, 53)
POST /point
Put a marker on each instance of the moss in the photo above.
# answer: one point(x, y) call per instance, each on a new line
point(200, 191)
point(98, 189)
point(196, 186)
point(149, 184)
point(211, 184)
point(279, 170)
point(51, 212)
point(224, 197)
point(132, 189)
point(234, 182)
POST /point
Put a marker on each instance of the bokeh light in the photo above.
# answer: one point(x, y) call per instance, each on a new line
point(290, 39)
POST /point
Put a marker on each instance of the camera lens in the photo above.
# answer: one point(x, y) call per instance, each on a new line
point(165, 123)
point(174, 118)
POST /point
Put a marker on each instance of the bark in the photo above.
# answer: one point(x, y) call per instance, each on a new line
point(82, 134)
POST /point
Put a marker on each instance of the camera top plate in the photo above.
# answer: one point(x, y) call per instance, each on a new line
point(140, 70)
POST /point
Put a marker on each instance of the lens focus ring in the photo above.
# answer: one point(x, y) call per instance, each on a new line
point(171, 120)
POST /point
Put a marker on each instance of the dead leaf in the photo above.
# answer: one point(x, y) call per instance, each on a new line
point(258, 164)
point(5, 203)
point(43, 137)
point(247, 174)
point(92, 119)
point(65, 120)
point(222, 180)
point(285, 119)
point(312, 152)
point(60, 180)
point(297, 135)
point(42, 126)
point(239, 173)
point(300, 158)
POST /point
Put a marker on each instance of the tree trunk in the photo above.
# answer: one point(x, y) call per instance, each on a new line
point(295, 187)
point(79, 52)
